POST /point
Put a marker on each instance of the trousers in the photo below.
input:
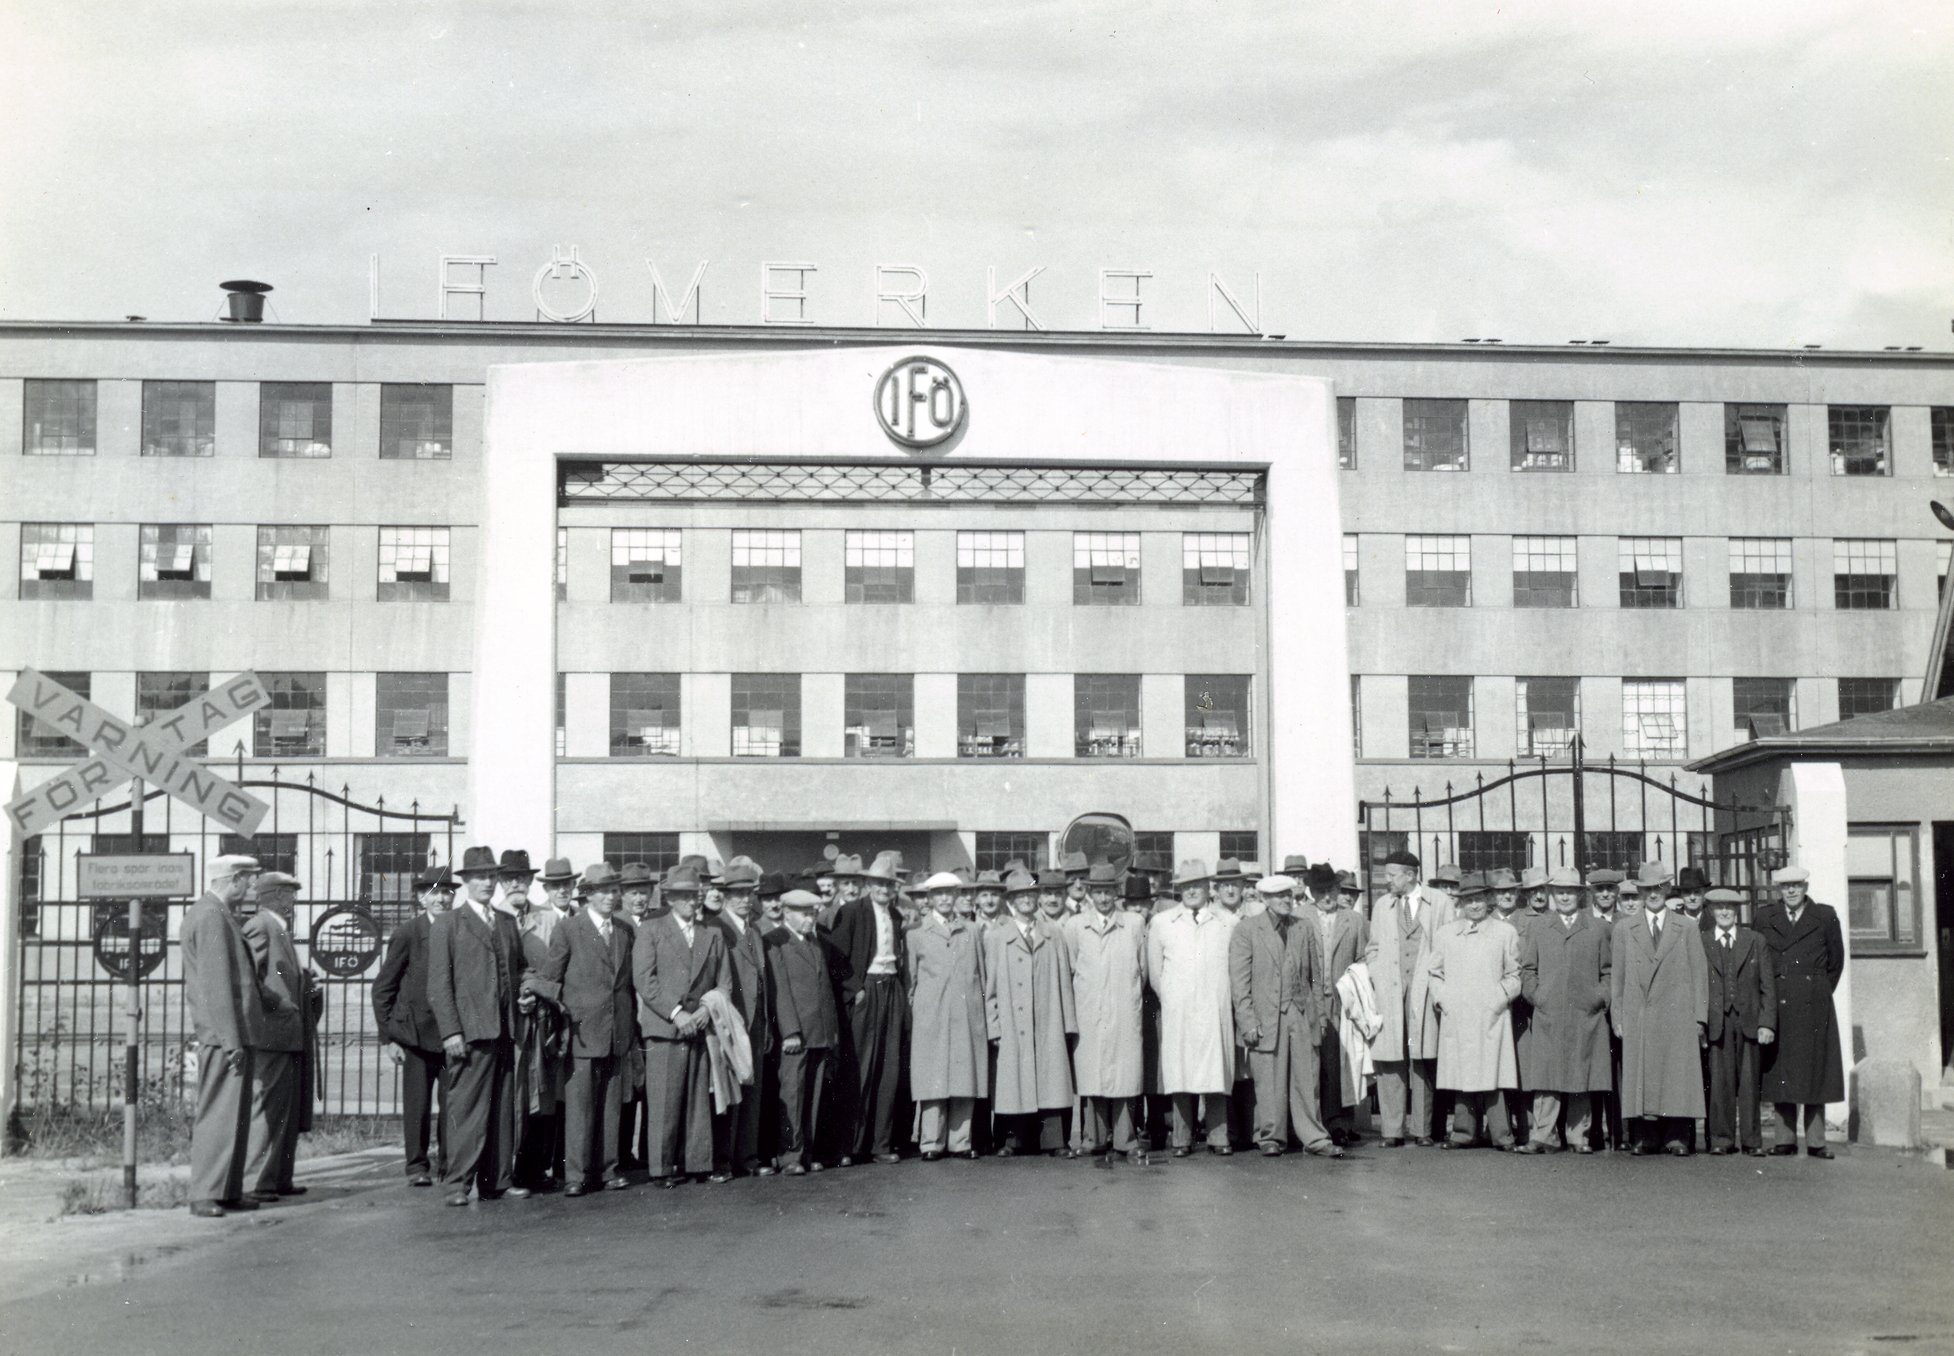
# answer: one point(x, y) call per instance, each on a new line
point(1285, 1081)
point(1396, 1078)
point(1104, 1119)
point(1788, 1116)
point(592, 1098)
point(803, 1102)
point(274, 1140)
point(944, 1123)
point(1214, 1116)
point(1474, 1112)
point(1733, 1117)
point(687, 1137)
point(482, 1130)
point(421, 1072)
point(221, 1136)
point(1547, 1108)
point(878, 1023)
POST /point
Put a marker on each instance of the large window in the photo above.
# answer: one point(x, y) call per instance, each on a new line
point(1435, 435)
point(879, 715)
point(997, 851)
point(1548, 715)
point(990, 567)
point(36, 739)
point(1214, 569)
point(274, 851)
point(1655, 719)
point(1760, 572)
point(1493, 849)
point(990, 715)
point(179, 418)
point(1545, 573)
point(294, 419)
point(291, 563)
point(294, 725)
point(159, 694)
point(1867, 696)
point(656, 852)
point(1542, 435)
point(1352, 593)
point(1438, 571)
point(411, 715)
point(1614, 849)
point(1106, 715)
point(1753, 440)
point(1217, 715)
point(1882, 868)
point(766, 715)
point(1865, 575)
point(417, 423)
point(646, 565)
point(175, 561)
point(879, 567)
point(389, 862)
point(57, 560)
point(1645, 437)
point(413, 564)
point(644, 715)
point(1106, 568)
point(59, 419)
point(1651, 571)
point(1941, 422)
point(1440, 710)
point(1857, 435)
point(1764, 706)
point(766, 566)
point(1244, 845)
point(1347, 432)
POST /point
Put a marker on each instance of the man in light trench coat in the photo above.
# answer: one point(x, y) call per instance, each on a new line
point(1187, 964)
point(1028, 1007)
point(1405, 1048)
point(1661, 993)
point(949, 1057)
point(1109, 962)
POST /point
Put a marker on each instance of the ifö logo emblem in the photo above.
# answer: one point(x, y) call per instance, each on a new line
point(920, 402)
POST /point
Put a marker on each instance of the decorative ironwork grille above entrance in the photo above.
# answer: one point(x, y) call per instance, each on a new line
point(588, 482)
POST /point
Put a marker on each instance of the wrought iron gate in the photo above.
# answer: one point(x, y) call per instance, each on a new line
point(345, 853)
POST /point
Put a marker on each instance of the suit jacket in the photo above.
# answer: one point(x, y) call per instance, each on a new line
point(853, 933)
point(590, 979)
point(474, 973)
point(220, 983)
point(748, 952)
point(285, 986)
point(1743, 985)
point(400, 1007)
point(1349, 935)
point(1269, 971)
point(670, 975)
point(803, 975)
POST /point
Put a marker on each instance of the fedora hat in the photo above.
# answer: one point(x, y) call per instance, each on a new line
point(847, 864)
point(771, 886)
point(599, 874)
point(1445, 877)
point(1347, 882)
point(1193, 871)
point(942, 880)
point(1102, 873)
point(1533, 878)
point(434, 876)
point(1321, 878)
point(515, 862)
point(1138, 886)
point(556, 870)
point(886, 866)
point(742, 873)
point(1692, 878)
point(989, 880)
point(634, 873)
point(1051, 879)
point(1018, 883)
point(1229, 868)
point(1074, 863)
point(687, 879)
point(1567, 878)
point(1655, 873)
point(478, 861)
point(1503, 879)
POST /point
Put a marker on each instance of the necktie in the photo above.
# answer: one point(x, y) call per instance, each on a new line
point(1655, 927)
point(1725, 937)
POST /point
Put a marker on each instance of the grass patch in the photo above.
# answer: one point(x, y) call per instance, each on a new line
point(92, 1136)
point(101, 1193)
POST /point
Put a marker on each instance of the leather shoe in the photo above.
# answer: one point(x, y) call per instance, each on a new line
point(1784, 1150)
point(1530, 1148)
point(574, 1190)
point(423, 1180)
point(293, 1190)
point(1678, 1150)
point(458, 1198)
point(263, 1197)
point(932, 1155)
point(1007, 1152)
point(207, 1210)
point(1452, 1144)
point(1820, 1151)
point(970, 1154)
point(794, 1170)
point(1584, 1148)
point(1182, 1151)
point(1423, 1141)
point(764, 1170)
point(719, 1178)
point(1391, 1142)
point(1641, 1151)
point(617, 1184)
point(817, 1167)
point(1272, 1151)
point(667, 1183)
point(1223, 1150)
point(518, 1193)
point(844, 1162)
point(1326, 1151)
point(1720, 1150)
point(888, 1158)
point(242, 1203)
point(1753, 1153)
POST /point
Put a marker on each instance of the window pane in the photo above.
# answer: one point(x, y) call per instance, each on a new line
point(1651, 571)
point(1542, 435)
point(1214, 569)
point(644, 715)
point(879, 567)
point(1645, 437)
point(1764, 706)
point(766, 715)
point(57, 560)
point(1865, 574)
point(1545, 572)
point(1760, 572)
point(412, 715)
point(1438, 571)
point(59, 419)
point(417, 423)
point(996, 851)
point(174, 561)
point(879, 719)
point(1346, 432)
point(766, 566)
point(1217, 716)
point(1435, 435)
point(1106, 568)
point(158, 694)
point(1548, 715)
point(990, 715)
point(1857, 436)
point(990, 567)
point(1867, 696)
point(1753, 440)
point(1351, 591)
point(1941, 422)
point(388, 863)
point(295, 419)
point(647, 565)
point(656, 852)
point(294, 725)
point(292, 563)
point(1106, 715)
point(1882, 886)
point(1654, 722)
point(37, 739)
point(179, 418)
point(413, 564)
point(1440, 710)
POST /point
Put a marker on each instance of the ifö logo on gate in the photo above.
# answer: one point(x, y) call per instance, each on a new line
point(920, 402)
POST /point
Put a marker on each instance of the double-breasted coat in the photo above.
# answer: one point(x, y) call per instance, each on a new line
point(1803, 1064)
point(1028, 1007)
point(1187, 964)
point(1565, 977)
point(1475, 976)
point(1660, 997)
point(1399, 960)
point(949, 1031)
point(1109, 964)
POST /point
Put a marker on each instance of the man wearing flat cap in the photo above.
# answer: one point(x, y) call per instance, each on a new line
point(804, 971)
point(1405, 1046)
point(1802, 1068)
point(404, 1018)
point(1743, 1019)
point(747, 952)
point(227, 1013)
point(1274, 970)
point(587, 974)
point(281, 1073)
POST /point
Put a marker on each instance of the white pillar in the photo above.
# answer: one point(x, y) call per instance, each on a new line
point(1815, 795)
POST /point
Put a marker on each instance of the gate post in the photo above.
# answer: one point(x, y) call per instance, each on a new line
point(1579, 751)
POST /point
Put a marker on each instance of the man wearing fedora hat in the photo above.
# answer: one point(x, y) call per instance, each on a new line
point(1566, 965)
point(1109, 964)
point(542, 1039)
point(1802, 1068)
point(1693, 886)
point(1030, 1019)
point(588, 974)
point(227, 1012)
point(403, 1017)
point(676, 960)
point(476, 969)
point(868, 933)
point(747, 951)
point(280, 1108)
point(1229, 897)
point(1405, 1046)
point(1341, 936)
point(1187, 964)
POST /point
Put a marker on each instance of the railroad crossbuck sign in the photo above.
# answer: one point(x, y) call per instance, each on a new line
point(120, 750)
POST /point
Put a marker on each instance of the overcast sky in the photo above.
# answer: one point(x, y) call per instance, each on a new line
point(1771, 174)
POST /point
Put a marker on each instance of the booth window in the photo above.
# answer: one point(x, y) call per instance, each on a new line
point(1645, 437)
point(1859, 439)
point(1867, 696)
point(1753, 440)
point(766, 715)
point(879, 715)
point(59, 419)
point(1214, 569)
point(294, 725)
point(159, 694)
point(1435, 435)
point(990, 715)
point(990, 567)
point(995, 851)
point(291, 563)
point(1764, 706)
point(411, 715)
point(57, 560)
point(1106, 568)
point(646, 565)
point(656, 852)
point(1865, 575)
point(879, 567)
point(1492, 849)
point(294, 419)
point(1106, 715)
point(766, 566)
point(1347, 432)
point(644, 715)
point(36, 739)
point(1760, 573)
point(1548, 715)
point(1244, 845)
point(1651, 571)
point(179, 418)
point(1545, 572)
point(1217, 714)
point(413, 564)
point(417, 422)
point(1438, 571)
point(1882, 867)
point(175, 561)
point(1655, 719)
point(1941, 422)
point(1542, 434)
point(1440, 708)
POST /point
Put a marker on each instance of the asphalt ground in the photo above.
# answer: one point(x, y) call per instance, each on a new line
point(1386, 1251)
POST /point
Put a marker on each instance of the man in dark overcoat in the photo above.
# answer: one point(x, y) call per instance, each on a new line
point(227, 1011)
point(1803, 1068)
point(587, 974)
point(404, 1019)
point(1566, 965)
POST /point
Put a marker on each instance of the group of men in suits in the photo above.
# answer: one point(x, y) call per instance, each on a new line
point(253, 1013)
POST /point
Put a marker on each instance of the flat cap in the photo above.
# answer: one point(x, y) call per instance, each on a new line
point(277, 880)
point(1725, 897)
point(1792, 875)
point(1276, 885)
point(232, 864)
